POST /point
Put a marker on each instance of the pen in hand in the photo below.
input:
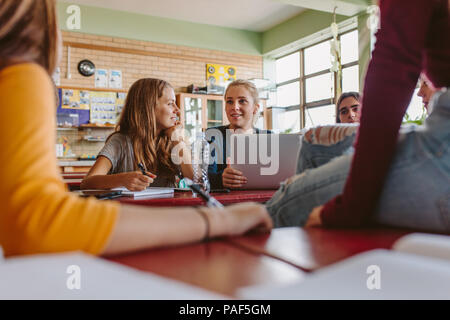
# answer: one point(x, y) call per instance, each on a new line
point(145, 173)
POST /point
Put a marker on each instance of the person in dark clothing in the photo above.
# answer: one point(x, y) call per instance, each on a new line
point(241, 106)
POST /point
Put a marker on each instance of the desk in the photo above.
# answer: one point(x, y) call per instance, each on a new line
point(186, 198)
point(216, 266)
point(73, 184)
point(314, 248)
point(226, 265)
point(73, 175)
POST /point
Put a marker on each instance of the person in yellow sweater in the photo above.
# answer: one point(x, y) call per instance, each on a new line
point(38, 214)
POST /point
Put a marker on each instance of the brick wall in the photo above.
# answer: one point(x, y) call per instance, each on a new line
point(179, 65)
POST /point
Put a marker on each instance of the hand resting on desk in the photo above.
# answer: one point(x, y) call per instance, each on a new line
point(140, 227)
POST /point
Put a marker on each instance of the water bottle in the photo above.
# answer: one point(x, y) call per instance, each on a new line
point(200, 161)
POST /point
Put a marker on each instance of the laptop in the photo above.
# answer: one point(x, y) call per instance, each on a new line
point(265, 159)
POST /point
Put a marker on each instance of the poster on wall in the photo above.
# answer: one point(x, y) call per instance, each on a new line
point(120, 102)
point(217, 74)
point(101, 78)
point(75, 99)
point(103, 107)
point(115, 79)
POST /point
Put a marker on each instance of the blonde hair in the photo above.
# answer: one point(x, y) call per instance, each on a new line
point(28, 33)
point(138, 121)
point(251, 88)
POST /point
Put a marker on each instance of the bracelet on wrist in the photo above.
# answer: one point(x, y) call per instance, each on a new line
point(204, 215)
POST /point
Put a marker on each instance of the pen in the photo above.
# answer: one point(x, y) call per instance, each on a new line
point(210, 201)
point(108, 196)
point(141, 166)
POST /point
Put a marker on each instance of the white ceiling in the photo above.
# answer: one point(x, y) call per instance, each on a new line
point(253, 15)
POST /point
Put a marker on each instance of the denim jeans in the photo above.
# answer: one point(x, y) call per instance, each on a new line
point(416, 192)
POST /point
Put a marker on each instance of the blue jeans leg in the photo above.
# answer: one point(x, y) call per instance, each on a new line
point(315, 155)
point(416, 193)
point(293, 202)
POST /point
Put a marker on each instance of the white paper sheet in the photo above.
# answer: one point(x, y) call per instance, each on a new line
point(430, 245)
point(402, 276)
point(147, 193)
point(47, 277)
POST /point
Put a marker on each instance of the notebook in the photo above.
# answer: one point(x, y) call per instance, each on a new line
point(152, 192)
point(77, 275)
point(417, 267)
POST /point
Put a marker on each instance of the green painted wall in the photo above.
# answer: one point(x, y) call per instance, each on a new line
point(121, 24)
point(300, 26)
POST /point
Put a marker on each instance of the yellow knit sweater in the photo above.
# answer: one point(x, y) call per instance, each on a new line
point(37, 213)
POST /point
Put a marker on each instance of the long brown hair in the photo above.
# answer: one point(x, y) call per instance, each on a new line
point(138, 121)
point(28, 33)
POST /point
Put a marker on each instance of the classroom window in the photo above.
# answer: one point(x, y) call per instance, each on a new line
point(350, 79)
point(317, 58)
point(349, 47)
point(288, 67)
point(306, 87)
point(320, 116)
point(289, 94)
point(285, 120)
point(319, 87)
point(289, 121)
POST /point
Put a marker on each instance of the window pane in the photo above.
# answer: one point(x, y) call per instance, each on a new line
point(317, 58)
point(320, 87)
point(285, 121)
point(349, 47)
point(288, 67)
point(320, 116)
point(350, 79)
point(288, 95)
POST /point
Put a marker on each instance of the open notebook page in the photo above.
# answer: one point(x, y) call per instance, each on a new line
point(401, 276)
point(47, 277)
point(149, 192)
point(431, 245)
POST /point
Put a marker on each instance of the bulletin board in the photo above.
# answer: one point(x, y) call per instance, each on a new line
point(75, 99)
point(91, 106)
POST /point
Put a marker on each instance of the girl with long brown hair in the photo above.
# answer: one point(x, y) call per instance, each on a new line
point(38, 214)
point(143, 135)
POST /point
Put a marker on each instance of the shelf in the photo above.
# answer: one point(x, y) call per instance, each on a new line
point(93, 89)
point(101, 126)
point(93, 139)
point(66, 128)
